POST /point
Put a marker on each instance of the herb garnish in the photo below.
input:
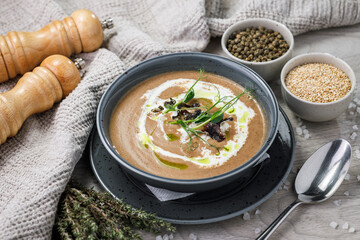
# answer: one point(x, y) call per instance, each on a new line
point(188, 96)
point(204, 119)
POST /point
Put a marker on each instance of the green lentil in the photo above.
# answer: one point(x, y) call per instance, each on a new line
point(257, 44)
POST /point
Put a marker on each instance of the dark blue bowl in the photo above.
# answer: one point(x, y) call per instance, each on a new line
point(184, 62)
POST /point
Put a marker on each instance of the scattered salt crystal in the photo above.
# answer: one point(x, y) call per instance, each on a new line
point(298, 130)
point(351, 230)
point(358, 178)
point(294, 170)
point(192, 236)
point(355, 127)
point(171, 236)
point(346, 193)
point(158, 237)
point(352, 105)
point(358, 109)
point(257, 230)
point(345, 225)
point(306, 131)
point(356, 100)
point(280, 188)
point(287, 183)
point(334, 225)
point(165, 237)
point(246, 216)
point(351, 113)
point(286, 188)
point(257, 212)
point(306, 136)
point(337, 202)
point(303, 126)
point(353, 136)
point(347, 177)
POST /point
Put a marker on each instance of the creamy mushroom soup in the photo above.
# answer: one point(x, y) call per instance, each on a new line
point(187, 125)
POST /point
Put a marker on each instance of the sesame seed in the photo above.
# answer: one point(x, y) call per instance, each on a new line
point(318, 82)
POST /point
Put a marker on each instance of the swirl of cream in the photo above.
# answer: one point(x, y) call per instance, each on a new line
point(202, 90)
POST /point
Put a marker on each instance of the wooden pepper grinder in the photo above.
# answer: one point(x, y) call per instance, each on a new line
point(37, 91)
point(22, 51)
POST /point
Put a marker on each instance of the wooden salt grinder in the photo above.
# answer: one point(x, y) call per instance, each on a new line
point(20, 52)
point(37, 91)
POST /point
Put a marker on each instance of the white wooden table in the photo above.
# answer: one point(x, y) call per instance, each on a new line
point(309, 222)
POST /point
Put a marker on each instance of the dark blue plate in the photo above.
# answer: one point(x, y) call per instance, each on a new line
point(206, 207)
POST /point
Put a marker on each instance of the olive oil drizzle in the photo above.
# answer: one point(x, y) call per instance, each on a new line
point(168, 163)
point(172, 137)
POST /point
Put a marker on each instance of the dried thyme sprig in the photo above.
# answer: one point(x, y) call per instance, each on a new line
point(86, 214)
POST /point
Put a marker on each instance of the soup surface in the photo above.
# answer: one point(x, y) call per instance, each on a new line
point(187, 125)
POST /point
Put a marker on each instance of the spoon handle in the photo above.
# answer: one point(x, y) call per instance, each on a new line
point(279, 220)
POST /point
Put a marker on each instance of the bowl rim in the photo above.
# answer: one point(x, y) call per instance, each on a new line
point(283, 75)
point(235, 27)
point(267, 143)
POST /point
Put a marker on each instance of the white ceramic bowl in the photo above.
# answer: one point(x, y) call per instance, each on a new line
point(317, 112)
point(269, 70)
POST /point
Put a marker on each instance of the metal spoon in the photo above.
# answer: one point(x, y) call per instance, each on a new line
point(318, 179)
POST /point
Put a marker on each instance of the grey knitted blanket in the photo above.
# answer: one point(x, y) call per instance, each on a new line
point(37, 163)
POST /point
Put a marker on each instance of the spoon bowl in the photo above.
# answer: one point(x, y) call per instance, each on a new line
point(318, 179)
point(322, 174)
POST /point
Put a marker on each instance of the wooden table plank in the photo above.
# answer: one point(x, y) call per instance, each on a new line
point(311, 222)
